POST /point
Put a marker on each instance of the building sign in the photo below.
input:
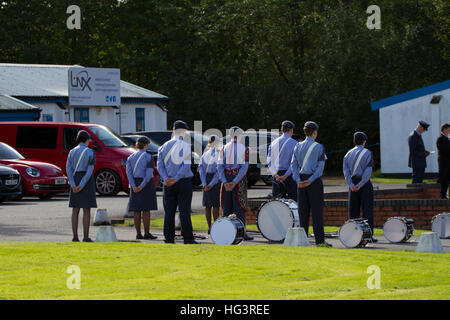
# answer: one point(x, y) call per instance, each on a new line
point(94, 86)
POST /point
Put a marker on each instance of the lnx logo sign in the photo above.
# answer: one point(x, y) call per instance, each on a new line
point(80, 80)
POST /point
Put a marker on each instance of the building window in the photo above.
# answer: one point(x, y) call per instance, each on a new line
point(140, 119)
point(47, 117)
point(81, 114)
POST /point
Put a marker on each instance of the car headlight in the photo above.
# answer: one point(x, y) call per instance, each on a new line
point(33, 172)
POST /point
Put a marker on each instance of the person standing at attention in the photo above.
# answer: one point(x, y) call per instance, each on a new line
point(210, 180)
point(174, 166)
point(79, 167)
point(142, 188)
point(443, 146)
point(279, 158)
point(357, 167)
point(417, 153)
point(308, 162)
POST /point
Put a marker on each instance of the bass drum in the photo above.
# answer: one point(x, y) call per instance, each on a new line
point(398, 229)
point(227, 230)
point(355, 233)
point(276, 217)
point(440, 224)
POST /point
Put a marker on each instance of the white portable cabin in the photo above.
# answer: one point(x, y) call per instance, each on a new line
point(399, 116)
point(46, 87)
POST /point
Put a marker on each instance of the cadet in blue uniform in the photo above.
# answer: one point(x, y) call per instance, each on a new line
point(79, 168)
point(357, 167)
point(279, 158)
point(417, 153)
point(174, 166)
point(142, 191)
point(443, 146)
point(232, 167)
point(308, 162)
point(210, 180)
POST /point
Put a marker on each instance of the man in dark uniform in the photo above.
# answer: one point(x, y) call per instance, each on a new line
point(174, 166)
point(443, 146)
point(358, 165)
point(417, 153)
point(279, 158)
point(308, 162)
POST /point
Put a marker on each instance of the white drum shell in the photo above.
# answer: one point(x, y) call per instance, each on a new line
point(441, 225)
point(223, 232)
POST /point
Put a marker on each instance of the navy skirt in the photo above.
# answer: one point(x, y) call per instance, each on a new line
point(144, 200)
point(211, 198)
point(86, 198)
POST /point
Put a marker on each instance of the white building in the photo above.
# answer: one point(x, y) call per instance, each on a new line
point(399, 116)
point(46, 87)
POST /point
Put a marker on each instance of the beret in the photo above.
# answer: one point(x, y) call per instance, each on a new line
point(311, 125)
point(83, 134)
point(180, 124)
point(424, 124)
point(144, 140)
point(360, 136)
point(288, 124)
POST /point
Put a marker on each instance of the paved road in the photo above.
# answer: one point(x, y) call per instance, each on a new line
point(32, 220)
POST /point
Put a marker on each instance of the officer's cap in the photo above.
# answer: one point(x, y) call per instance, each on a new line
point(288, 124)
point(180, 124)
point(359, 137)
point(236, 131)
point(84, 135)
point(424, 124)
point(311, 125)
point(143, 140)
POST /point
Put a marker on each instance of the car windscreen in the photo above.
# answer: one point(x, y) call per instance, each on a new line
point(108, 137)
point(9, 153)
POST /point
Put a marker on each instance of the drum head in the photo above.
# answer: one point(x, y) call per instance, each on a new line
point(394, 230)
point(350, 234)
point(223, 231)
point(274, 220)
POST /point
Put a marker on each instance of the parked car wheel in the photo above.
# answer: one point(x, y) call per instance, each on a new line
point(107, 183)
point(46, 196)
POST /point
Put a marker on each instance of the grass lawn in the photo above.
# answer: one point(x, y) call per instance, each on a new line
point(199, 224)
point(164, 271)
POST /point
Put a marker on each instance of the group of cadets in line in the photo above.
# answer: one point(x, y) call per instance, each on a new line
point(297, 168)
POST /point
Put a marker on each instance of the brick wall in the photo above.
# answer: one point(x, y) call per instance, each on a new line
point(335, 212)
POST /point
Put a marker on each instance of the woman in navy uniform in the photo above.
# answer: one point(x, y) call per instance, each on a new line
point(210, 180)
point(79, 168)
point(142, 191)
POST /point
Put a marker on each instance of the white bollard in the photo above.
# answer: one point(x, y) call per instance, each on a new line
point(101, 218)
point(296, 237)
point(429, 242)
point(106, 234)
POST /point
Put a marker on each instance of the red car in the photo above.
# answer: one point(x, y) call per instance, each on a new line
point(52, 141)
point(41, 179)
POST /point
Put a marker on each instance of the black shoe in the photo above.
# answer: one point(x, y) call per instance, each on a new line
point(149, 236)
point(87, 240)
point(209, 231)
point(324, 245)
point(247, 237)
point(75, 240)
point(139, 237)
point(191, 242)
point(374, 240)
point(169, 241)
